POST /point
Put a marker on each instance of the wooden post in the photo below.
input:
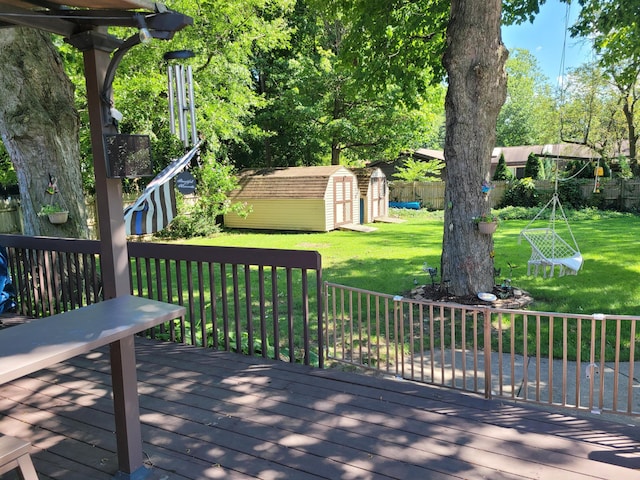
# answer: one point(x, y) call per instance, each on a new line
point(114, 257)
point(113, 240)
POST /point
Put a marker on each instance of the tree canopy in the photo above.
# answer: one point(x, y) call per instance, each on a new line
point(310, 81)
point(529, 115)
point(614, 30)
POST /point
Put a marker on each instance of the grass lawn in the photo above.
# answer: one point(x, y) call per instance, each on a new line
point(391, 258)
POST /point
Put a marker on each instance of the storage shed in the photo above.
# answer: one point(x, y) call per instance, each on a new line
point(374, 194)
point(316, 199)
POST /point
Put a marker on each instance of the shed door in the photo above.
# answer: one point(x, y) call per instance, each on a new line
point(377, 197)
point(343, 200)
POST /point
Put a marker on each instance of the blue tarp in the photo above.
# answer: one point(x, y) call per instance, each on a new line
point(411, 205)
point(7, 294)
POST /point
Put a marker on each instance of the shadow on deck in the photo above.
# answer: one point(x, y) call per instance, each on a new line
point(209, 415)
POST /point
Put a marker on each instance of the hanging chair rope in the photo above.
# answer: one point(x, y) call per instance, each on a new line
point(548, 249)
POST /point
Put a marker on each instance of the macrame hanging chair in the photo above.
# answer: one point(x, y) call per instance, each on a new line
point(548, 248)
point(553, 245)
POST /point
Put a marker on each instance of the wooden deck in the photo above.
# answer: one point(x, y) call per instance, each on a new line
point(210, 415)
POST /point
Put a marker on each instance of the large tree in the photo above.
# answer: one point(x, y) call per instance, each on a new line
point(326, 104)
point(592, 114)
point(613, 27)
point(474, 59)
point(39, 128)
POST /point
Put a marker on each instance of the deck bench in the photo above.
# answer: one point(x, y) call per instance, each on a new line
point(32, 346)
point(14, 453)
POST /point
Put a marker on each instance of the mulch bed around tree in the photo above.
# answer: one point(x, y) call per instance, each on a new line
point(517, 299)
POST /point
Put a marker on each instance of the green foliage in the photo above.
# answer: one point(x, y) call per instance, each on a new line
point(7, 172)
point(534, 167)
point(394, 43)
point(50, 208)
point(214, 180)
point(521, 193)
point(624, 169)
point(591, 111)
point(614, 30)
point(529, 115)
point(520, 11)
point(189, 225)
point(413, 170)
point(570, 194)
point(502, 172)
point(579, 169)
point(322, 107)
point(518, 213)
point(583, 214)
point(489, 218)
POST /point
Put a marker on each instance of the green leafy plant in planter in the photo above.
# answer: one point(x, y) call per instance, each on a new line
point(54, 212)
point(487, 224)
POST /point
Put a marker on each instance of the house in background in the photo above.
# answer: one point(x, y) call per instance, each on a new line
point(316, 199)
point(374, 194)
point(516, 157)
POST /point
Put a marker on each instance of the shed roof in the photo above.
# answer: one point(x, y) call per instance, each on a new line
point(364, 176)
point(286, 182)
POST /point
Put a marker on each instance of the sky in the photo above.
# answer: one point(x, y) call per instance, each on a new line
point(545, 39)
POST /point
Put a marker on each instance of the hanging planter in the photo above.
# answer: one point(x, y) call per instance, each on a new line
point(487, 224)
point(487, 227)
point(56, 214)
point(58, 218)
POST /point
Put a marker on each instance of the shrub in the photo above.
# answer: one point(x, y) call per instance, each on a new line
point(189, 226)
point(502, 172)
point(570, 194)
point(517, 213)
point(624, 169)
point(534, 167)
point(521, 193)
point(214, 182)
point(418, 171)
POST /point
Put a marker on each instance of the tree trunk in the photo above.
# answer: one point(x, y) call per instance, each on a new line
point(39, 127)
point(474, 59)
point(335, 152)
point(629, 114)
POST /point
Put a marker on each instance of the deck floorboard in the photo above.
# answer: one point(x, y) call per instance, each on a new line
point(209, 415)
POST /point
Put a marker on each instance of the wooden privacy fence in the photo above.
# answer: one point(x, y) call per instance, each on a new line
point(10, 215)
point(431, 194)
point(256, 301)
point(587, 362)
point(617, 193)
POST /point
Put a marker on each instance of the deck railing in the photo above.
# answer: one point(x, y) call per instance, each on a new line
point(270, 302)
point(580, 361)
point(258, 301)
